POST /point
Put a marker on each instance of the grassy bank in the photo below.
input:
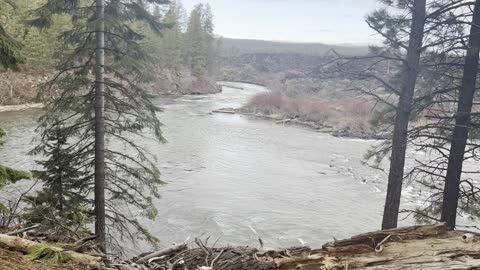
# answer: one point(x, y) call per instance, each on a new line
point(349, 117)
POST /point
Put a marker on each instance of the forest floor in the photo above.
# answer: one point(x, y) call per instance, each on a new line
point(11, 260)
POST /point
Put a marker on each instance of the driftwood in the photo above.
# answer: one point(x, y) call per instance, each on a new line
point(28, 247)
point(418, 247)
point(162, 252)
point(225, 110)
point(199, 258)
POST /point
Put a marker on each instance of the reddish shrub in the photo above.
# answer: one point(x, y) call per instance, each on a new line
point(356, 113)
point(318, 111)
point(308, 108)
point(352, 113)
point(266, 103)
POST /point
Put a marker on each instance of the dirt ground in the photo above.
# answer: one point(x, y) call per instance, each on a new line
point(10, 260)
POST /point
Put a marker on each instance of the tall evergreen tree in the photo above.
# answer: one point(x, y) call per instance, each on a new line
point(462, 123)
point(194, 42)
point(171, 40)
point(200, 47)
point(209, 38)
point(10, 48)
point(99, 120)
point(382, 76)
point(102, 115)
point(402, 117)
point(38, 46)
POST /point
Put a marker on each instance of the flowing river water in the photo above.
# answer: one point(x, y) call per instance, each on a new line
point(228, 174)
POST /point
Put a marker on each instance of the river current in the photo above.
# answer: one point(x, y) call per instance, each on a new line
point(228, 175)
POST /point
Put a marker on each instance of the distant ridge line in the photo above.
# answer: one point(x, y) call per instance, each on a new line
point(243, 46)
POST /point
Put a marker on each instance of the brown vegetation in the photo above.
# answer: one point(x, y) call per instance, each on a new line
point(347, 117)
point(21, 87)
point(300, 96)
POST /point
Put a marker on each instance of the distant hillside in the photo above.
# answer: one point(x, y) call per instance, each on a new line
point(241, 46)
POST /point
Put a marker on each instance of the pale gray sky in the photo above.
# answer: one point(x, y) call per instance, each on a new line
point(326, 21)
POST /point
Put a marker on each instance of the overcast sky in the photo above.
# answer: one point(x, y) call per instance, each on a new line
point(326, 21)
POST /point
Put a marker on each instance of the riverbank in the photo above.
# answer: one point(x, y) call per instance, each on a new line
point(319, 127)
point(342, 117)
point(416, 247)
point(21, 88)
point(343, 130)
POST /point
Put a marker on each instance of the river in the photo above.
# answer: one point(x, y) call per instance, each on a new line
point(227, 174)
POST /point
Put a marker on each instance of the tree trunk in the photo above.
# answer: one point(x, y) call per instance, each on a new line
point(404, 107)
point(60, 173)
point(100, 126)
point(462, 124)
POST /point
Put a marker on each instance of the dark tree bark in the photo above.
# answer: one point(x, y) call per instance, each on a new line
point(404, 108)
point(462, 123)
point(100, 126)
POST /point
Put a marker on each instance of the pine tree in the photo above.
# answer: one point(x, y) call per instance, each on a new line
point(402, 117)
point(200, 47)
point(98, 112)
point(194, 42)
point(451, 192)
point(61, 207)
point(382, 76)
point(171, 40)
point(209, 38)
point(38, 47)
point(10, 48)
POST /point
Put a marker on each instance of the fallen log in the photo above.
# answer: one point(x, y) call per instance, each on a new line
point(48, 252)
point(417, 247)
point(369, 242)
